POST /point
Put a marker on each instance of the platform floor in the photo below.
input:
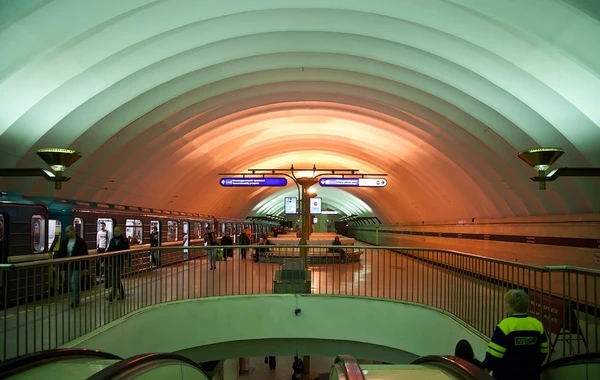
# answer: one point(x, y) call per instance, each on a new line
point(380, 273)
point(260, 371)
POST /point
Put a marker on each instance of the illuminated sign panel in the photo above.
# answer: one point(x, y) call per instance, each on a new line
point(353, 182)
point(252, 182)
point(290, 205)
point(315, 206)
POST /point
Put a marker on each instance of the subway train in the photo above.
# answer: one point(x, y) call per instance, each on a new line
point(30, 228)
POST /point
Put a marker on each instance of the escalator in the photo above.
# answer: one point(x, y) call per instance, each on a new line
point(78, 364)
point(427, 367)
point(65, 363)
point(575, 367)
point(153, 366)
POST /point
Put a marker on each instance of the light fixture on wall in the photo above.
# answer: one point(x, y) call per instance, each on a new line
point(58, 159)
point(542, 158)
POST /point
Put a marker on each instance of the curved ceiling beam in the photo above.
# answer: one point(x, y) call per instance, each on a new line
point(513, 69)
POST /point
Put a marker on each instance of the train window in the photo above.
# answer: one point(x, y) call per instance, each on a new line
point(54, 230)
point(38, 233)
point(197, 231)
point(79, 227)
point(134, 230)
point(172, 230)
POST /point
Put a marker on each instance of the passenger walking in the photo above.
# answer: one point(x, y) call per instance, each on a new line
point(519, 345)
point(73, 246)
point(116, 264)
point(211, 240)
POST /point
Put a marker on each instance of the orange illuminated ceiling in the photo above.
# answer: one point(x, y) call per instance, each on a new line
point(160, 96)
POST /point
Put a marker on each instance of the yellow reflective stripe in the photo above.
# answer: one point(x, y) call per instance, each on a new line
point(497, 347)
point(495, 353)
point(544, 350)
point(544, 344)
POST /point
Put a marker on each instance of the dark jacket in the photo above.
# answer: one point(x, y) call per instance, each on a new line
point(153, 239)
point(79, 249)
point(244, 239)
point(227, 240)
point(210, 238)
point(119, 244)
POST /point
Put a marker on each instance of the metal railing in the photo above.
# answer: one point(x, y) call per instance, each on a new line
point(39, 308)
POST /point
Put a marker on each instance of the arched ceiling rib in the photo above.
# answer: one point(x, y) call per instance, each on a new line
point(160, 96)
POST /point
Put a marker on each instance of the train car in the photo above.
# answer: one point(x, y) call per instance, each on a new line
point(32, 226)
point(23, 237)
point(174, 228)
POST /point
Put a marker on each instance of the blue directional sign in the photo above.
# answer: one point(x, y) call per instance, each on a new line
point(252, 182)
point(352, 182)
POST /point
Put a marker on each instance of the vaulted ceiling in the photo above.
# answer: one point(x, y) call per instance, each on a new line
point(162, 95)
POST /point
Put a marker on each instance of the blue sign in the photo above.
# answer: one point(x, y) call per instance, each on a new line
point(352, 182)
point(252, 182)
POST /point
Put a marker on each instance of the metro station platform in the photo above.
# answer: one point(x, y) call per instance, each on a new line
point(401, 274)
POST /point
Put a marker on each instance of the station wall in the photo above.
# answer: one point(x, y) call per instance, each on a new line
point(556, 240)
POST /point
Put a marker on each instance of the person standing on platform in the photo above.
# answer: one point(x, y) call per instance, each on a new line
point(102, 238)
point(298, 368)
point(211, 240)
point(519, 345)
point(154, 254)
point(244, 240)
point(73, 246)
point(227, 240)
point(116, 264)
point(272, 363)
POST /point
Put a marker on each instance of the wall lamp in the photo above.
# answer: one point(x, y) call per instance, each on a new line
point(542, 158)
point(58, 159)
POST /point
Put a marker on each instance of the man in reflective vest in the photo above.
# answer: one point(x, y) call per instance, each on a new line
point(519, 345)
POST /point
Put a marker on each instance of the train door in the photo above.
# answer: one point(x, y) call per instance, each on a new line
point(186, 239)
point(156, 223)
point(54, 232)
point(79, 226)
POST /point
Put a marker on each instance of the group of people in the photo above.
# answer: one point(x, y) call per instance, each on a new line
point(73, 246)
point(518, 347)
point(297, 366)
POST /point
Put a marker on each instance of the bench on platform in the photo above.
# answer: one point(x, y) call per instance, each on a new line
point(317, 241)
point(315, 255)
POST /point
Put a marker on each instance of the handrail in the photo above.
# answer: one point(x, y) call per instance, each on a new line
point(576, 359)
point(22, 363)
point(135, 361)
point(470, 371)
point(553, 268)
point(351, 367)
